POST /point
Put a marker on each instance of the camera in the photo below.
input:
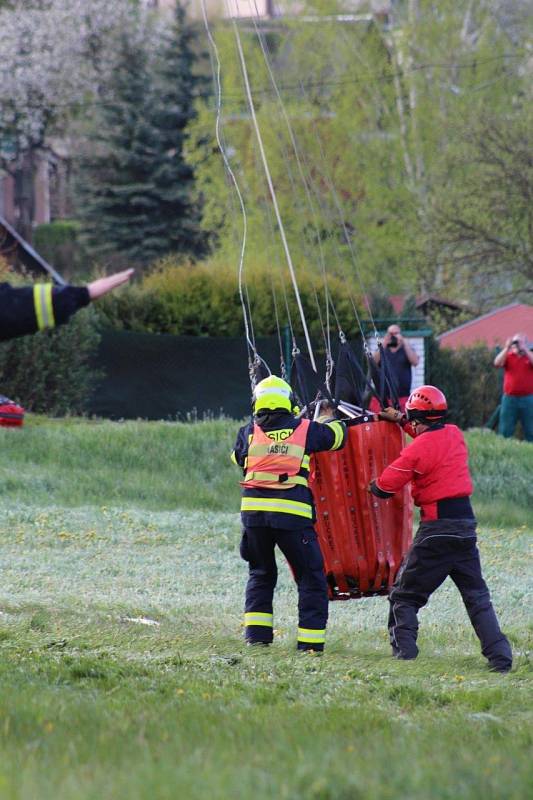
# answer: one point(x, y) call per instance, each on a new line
point(393, 341)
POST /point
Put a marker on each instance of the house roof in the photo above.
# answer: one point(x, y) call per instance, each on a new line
point(397, 302)
point(423, 301)
point(12, 243)
point(493, 328)
point(433, 299)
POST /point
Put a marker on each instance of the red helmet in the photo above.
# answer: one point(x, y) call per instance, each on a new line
point(427, 403)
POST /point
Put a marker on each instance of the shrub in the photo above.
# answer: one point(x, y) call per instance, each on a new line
point(203, 300)
point(8, 274)
point(51, 372)
point(58, 243)
point(470, 382)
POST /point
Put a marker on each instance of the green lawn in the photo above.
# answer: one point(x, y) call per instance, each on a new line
point(105, 531)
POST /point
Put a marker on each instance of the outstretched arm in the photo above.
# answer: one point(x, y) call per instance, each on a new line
point(35, 308)
point(103, 286)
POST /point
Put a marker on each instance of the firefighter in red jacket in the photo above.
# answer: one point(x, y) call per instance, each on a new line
point(436, 463)
point(29, 309)
point(277, 509)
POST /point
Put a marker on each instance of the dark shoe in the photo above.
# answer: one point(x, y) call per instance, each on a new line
point(251, 643)
point(503, 669)
point(403, 656)
point(310, 648)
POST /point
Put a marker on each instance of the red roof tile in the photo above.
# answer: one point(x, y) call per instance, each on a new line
point(397, 302)
point(493, 328)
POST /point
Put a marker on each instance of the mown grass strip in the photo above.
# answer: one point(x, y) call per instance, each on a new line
point(123, 671)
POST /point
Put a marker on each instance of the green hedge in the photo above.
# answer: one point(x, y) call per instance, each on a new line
point(470, 382)
point(52, 372)
point(203, 300)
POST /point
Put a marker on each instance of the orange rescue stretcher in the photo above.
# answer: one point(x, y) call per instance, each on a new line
point(363, 539)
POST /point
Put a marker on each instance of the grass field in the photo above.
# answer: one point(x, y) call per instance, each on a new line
point(123, 673)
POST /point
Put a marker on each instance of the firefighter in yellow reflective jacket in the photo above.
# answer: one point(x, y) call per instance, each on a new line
point(277, 509)
point(29, 309)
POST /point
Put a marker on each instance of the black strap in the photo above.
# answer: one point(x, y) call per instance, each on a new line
point(390, 378)
point(306, 384)
point(350, 378)
point(385, 388)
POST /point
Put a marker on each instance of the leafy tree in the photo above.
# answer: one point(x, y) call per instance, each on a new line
point(53, 372)
point(468, 379)
point(137, 188)
point(381, 306)
point(484, 214)
point(55, 57)
point(376, 112)
point(411, 315)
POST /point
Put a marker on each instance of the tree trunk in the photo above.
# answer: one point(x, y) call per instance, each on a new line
point(24, 176)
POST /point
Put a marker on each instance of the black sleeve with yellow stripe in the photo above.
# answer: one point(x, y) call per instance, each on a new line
point(36, 308)
point(240, 451)
point(326, 436)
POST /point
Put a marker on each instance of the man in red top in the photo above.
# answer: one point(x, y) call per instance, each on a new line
point(436, 463)
point(517, 401)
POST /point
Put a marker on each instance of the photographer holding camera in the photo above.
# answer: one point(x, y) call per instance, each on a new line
point(400, 357)
point(517, 401)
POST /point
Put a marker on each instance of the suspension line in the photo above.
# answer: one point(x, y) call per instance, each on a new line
point(272, 192)
point(229, 170)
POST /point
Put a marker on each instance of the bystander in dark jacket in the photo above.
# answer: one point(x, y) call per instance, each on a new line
point(400, 358)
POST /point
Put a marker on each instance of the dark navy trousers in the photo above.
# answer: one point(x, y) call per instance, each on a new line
point(442, 548)
point(302, 551)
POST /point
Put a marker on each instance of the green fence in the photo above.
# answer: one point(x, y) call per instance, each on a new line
point(154, 376)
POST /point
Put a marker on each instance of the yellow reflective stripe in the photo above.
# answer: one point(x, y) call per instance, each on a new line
point(311, 636)
point(49, 305)
point(306, 462)
point(273, 478)
point(338, 430)
point(279, 505)
point(38, 306)
point(42, 301)
point(258, 618)
point(234, 457)
point(280, 435)
point(276, 449)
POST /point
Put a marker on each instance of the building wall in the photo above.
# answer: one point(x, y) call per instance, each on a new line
point(418, 372)
point(51, 196)
point(7, 202)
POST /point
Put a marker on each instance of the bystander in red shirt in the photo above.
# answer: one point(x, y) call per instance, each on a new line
point(516, 406)
point(518, 375)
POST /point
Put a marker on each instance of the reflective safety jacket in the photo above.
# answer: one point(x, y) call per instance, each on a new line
point(276, 504)
point(34, 308)
point(275, 463)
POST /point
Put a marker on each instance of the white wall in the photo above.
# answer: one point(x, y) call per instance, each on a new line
point(418, 372)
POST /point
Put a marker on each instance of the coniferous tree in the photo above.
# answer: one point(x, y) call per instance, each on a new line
point(115, 177)
point(178, 87)
point(137, 189)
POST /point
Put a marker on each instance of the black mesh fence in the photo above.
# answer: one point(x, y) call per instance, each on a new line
point(153, 376)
